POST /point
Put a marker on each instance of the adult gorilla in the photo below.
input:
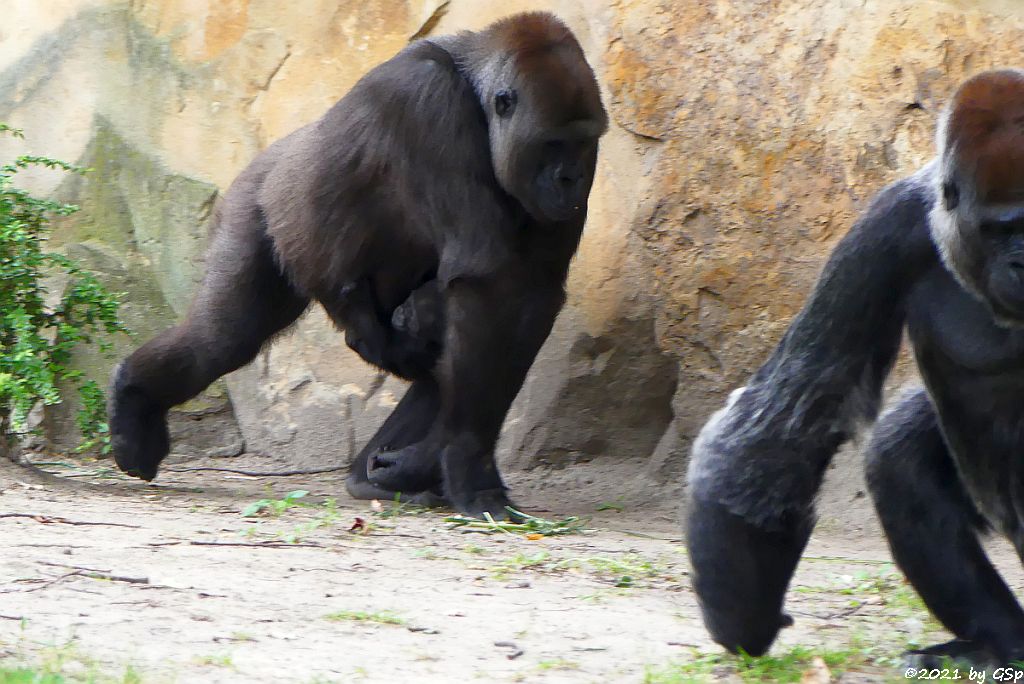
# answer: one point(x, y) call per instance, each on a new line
point(457, 174)
point(942, 254)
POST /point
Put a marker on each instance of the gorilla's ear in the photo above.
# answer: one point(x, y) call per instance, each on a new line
point(950, 195)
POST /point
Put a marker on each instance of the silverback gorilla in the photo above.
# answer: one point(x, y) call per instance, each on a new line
point(940, 253)
point(433, 212)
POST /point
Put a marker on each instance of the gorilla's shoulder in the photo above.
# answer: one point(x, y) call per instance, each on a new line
point(898, 215)
point(914, 194)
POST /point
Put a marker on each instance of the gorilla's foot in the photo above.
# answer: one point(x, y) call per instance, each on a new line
point(138, 431)
point(359, 488)
point(415, 468)
point(426, 499)
point(494, 502)
point(958, 652)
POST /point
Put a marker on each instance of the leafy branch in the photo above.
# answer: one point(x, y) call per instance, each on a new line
point(37, 340)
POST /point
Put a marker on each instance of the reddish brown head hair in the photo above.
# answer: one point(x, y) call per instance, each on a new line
point(985, 135)
point(545, 51)
point(532, 32)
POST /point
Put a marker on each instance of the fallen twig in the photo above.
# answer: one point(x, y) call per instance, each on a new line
point(93, 573)
point(259, 545)
point(45, 584)
point(64, 521)
point(644, 535)
point(846, 612)
point(258, 473)
point(16, 618)
point(116, 578)
point(514, 650)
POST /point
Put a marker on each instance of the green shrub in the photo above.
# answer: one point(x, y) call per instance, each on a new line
point(36, 340)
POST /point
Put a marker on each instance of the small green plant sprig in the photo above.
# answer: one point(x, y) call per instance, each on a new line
point(36, 341)
point(275, 507)
point(528, 525)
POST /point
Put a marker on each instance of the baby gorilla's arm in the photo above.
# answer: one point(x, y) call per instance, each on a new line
point(408, 347)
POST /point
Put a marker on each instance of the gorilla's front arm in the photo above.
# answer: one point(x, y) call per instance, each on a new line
point(758, 463)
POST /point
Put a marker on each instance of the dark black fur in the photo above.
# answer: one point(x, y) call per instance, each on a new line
point(943, 466)
point(433, 212)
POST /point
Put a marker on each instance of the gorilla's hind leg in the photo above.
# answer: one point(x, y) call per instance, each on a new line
point(932, 527)
point(243, 301)
point(408, 424)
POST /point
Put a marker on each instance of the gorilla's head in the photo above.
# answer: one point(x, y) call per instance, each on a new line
point(978, 220)
point(544, 114)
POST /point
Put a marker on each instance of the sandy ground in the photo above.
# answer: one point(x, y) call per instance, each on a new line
point(172, 582)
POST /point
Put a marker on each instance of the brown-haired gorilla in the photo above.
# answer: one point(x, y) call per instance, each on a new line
point(940, 254)
point(433, 212)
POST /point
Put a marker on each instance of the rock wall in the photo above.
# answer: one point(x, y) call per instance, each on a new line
point(746, 136)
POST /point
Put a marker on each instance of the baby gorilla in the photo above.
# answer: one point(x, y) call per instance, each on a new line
point(409, 344)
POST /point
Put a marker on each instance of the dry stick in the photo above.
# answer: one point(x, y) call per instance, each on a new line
point(268, 545)
point(90, 575)
point(831, 616)
point(64, 521)
point(255, 473)
point(115, 578)
point(11, 617)
point(93, 573)
point(44, 585)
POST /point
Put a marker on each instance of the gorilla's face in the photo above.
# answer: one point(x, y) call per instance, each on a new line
point(1003, 278)
point(978, 218)
point(562, 173)
point(545, 118)
point(983, 247)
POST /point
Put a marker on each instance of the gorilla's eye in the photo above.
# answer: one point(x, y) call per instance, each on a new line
point(950, 195)
point(505, 102)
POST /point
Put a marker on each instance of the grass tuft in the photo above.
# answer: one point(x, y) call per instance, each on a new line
point(382, 618)
point(788, 667)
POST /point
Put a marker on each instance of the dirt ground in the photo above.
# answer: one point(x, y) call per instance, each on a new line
point(170, 582)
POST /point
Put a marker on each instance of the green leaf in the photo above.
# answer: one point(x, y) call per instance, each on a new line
point(254, 508)
point(36, 340)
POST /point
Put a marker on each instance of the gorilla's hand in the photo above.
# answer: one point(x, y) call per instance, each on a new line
point(138, 428)
point(741, 572)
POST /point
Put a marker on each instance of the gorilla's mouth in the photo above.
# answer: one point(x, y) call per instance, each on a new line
point(1005, 295)
point(556, 205)
point(1005, 317)
point(560, 211)
point(1007, 308)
